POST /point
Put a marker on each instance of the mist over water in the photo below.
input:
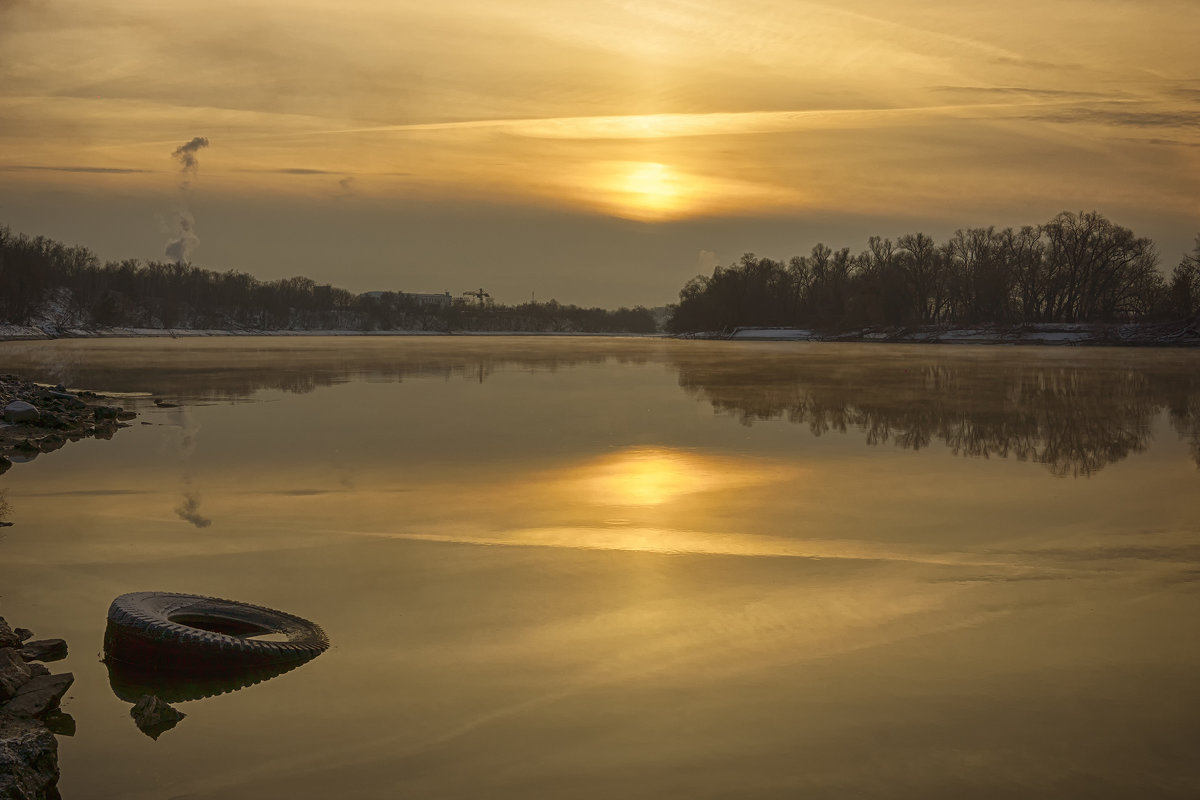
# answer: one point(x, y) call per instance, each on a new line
point(644, 568)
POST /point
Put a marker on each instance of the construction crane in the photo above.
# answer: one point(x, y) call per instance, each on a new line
point(480, 294)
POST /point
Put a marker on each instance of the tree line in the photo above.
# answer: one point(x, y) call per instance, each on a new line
point(69, 287)
point(1074, 268)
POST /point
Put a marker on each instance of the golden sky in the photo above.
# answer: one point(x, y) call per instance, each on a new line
point(559, 141)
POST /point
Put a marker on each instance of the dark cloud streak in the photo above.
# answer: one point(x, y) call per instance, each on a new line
point(1026, 90)
point(95, 170)
point(1128, 119)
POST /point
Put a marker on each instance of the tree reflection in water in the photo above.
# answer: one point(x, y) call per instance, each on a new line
point(1075, 415)
point(1074, 410)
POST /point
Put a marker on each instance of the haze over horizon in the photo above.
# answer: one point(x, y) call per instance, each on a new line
point(601, 154)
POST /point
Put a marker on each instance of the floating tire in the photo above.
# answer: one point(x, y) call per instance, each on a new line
point(184, 632)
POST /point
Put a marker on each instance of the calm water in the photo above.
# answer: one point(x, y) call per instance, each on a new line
point(595, 568)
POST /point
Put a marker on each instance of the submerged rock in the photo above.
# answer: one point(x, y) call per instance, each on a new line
point(28, 759)
point(60, 722)
point(154, 717)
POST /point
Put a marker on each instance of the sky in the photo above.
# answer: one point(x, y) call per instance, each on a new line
point(597, 153)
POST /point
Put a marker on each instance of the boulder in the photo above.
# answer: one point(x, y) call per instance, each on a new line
point(24, 634)
point(14, 673)
point(28, 759)
point(39, 695)
point(19, 411)
point(153, 716)
point(44, 650)
point(36, 669)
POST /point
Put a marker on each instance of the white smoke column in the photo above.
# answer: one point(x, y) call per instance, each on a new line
point(184, 239)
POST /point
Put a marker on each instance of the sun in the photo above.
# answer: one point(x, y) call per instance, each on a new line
point(653, 186)
point(646, 190)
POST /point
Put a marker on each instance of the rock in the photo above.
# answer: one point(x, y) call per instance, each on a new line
point(24, 634)
point(70, 400)
point(13, 673)
point(164, 404)
point(154, 717)
point(49, 419)
point(19, 411)
point(5, 464)
point(44, 650)
point(36, 669)
point(28, 759)
point(39, 695)
point(9, 637)
point(105, 412)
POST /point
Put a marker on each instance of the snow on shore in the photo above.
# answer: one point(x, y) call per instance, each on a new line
point(1141, 334)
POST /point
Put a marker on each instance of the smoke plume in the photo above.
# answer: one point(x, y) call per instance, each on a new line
point(183, 239)
point(186, 155)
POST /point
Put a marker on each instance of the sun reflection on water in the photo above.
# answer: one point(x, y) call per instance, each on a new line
point(653, 476)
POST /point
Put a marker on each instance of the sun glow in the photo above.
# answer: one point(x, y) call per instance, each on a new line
point(658, 476)
point(652, 188)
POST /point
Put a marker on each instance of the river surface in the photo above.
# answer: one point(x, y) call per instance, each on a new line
point(598, 568)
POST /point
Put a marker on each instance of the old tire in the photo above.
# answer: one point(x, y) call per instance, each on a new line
point(186, 631)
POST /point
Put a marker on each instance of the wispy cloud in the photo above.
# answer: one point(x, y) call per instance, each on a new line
point(668, 126)
point(299, 171)
point(1121, 118)
point(93, 170)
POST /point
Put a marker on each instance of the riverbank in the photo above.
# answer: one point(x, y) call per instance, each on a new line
point(18, 333)
point(1159, 334)
point(1170, 334)
point(36, 419)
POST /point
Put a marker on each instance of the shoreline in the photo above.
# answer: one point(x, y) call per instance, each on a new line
point(31, 333)
point(1078, 334)
point(1159, 334)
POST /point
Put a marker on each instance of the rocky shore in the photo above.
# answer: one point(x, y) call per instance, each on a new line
point(30, 717)
point(36, 419)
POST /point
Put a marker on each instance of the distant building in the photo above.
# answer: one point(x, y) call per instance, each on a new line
point(442, 300)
